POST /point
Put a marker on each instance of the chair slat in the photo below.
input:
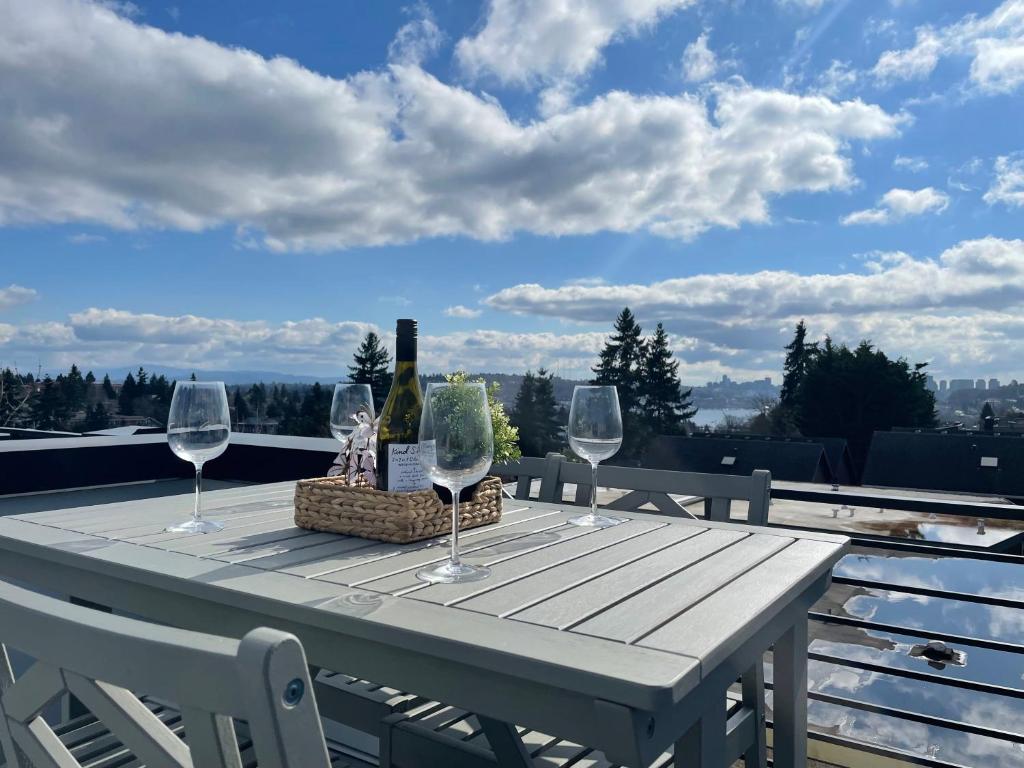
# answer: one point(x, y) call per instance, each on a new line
point(40, 745)
point(211, 739)
point(132, 722)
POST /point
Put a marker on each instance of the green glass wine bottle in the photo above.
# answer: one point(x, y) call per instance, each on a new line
point(398, 464)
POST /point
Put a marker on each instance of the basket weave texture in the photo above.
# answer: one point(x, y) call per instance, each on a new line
point(331, 504)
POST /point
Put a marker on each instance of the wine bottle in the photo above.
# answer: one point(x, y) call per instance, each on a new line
point(398, 464)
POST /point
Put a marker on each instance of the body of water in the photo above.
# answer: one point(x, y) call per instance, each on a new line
point(712, 417)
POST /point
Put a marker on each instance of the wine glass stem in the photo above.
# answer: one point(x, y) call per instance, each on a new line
point(455, 559)
point(593, 488)
point(197, 513)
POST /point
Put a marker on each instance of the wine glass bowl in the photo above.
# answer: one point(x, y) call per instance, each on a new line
point(595, 434)
point(351, 402)
point(456, 446)
point(198, 430)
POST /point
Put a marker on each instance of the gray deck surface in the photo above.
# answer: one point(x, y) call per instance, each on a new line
point(634, 614)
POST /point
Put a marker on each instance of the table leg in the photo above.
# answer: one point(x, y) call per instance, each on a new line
point(755, 755)
point(790, 700)
point(703, 745)
point(506, 743)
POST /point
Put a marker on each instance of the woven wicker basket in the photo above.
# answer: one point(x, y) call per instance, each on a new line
point(331, 504)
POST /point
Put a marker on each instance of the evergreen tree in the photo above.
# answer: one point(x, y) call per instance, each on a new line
point(142, 383)
point(621, 365)
point(665, 404)
point(545, 409)
point(258, 399)
point(126, 398)
point(241, 407)
point(161, 391)
point(90, 379)
point(108, 387)
point(315, 413)
point(274, 406)
point(17, 399)
point(799, 355)
point(987, 419)
point(74, 387)
point(373, 367)
point(49, 409)
point(193, 377)
point(96, 418)
point(854, 393)
point(524, 416)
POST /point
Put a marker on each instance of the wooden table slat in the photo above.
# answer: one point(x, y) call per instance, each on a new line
point(504, 599)
point(509, 569)
point(634, 617)
point(576, 605)
point(711, 628)
point(400, 559)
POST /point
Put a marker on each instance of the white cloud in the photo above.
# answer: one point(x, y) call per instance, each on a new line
point(961, 311)
point(16, 295)
point(1008, 186)
point(169, 131)
point(898, 204)
point(112, 337)
point(994, 43)
point(464, 313)
point(85, 238)
point(911, 63)
point(839, 77)
point(523, 42)
point(699, 61)
point(417, 40)
point(982, 274)
point(806, 5)
point(122, 8)
point(912, 164)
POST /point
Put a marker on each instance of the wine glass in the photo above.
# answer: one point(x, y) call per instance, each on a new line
point(198, 429)
point(456, 445)
point(595, 434)
point(350, 401)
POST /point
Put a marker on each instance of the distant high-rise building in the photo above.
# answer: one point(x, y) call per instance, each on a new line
point(929, 382)
point(943, 384)
point(955, 384)
point(979, 384)
point(1013, 383)
point(768, 380)
point(993, 383)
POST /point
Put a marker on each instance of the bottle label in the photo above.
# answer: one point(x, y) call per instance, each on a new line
point(405, 473)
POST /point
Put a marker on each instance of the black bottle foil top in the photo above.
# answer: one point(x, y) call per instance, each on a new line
point(405, 340)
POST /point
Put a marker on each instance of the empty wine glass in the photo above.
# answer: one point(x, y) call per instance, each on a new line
point(351, 403)
point(595, 434)
point(456, 445)
point(198, 430)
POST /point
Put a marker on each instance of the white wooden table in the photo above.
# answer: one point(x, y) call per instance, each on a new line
point(624, 639)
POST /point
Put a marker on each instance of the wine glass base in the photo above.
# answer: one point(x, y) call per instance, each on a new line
point(196, 526)
point(595, 521)
point(450, 573)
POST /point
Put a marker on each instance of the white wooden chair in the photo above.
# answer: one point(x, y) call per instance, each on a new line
point(260, 683)
point(646, 486)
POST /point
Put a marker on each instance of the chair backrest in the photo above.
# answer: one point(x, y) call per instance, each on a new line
point(645, 486)
point(100, 659)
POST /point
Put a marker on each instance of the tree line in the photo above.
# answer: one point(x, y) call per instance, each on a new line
point(75, 402)
point(651, 397)
point(833, 390)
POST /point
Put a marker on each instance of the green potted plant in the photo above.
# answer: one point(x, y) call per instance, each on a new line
point(506, 436)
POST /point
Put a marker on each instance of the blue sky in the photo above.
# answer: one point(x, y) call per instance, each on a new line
point(253, 185)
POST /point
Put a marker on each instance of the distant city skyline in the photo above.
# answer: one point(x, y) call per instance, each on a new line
point(254, 186)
